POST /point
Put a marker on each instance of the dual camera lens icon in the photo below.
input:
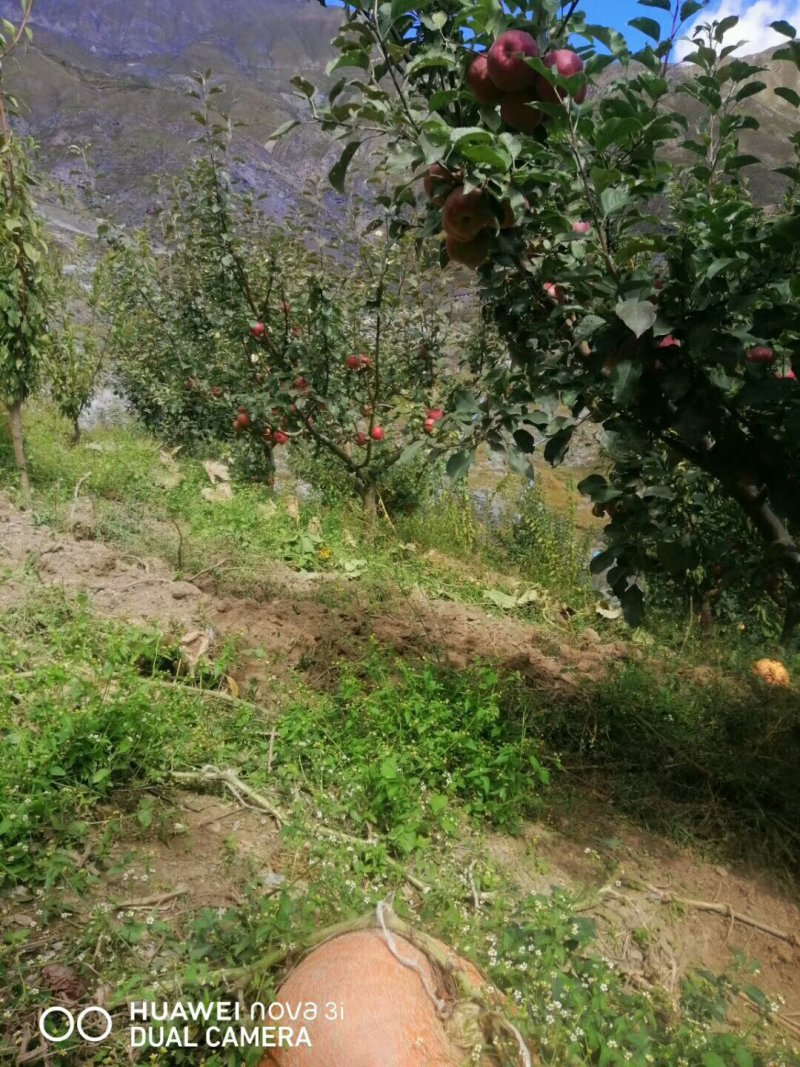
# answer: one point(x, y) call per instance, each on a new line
point(74, 1022)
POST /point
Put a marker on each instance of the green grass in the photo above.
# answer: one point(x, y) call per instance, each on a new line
point(421, 762)
point(404, 765)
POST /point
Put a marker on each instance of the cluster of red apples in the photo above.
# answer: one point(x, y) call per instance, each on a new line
point(500, 76)
point(355, 363)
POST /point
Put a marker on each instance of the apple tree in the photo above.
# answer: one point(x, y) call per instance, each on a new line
point(74, 359)
point(23, 301)
point(603, 197)
point(229, 325)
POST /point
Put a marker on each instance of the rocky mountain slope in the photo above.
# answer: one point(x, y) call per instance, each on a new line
point(111, 77)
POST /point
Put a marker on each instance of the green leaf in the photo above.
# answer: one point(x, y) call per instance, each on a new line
point(632, 601)
point(751, 89)
point(718, 266)
point(725, 24)
point(305, 87)
point(282, 130)
point(691, 7)
point(784, 28)
point(558, 446)
point(389, 770)
point(649, 27)
point(624, 380)
point(432, 61)
point(338, 172)
point(638, 315)
point(355, 57)
point(524, 441)
point(662, 5)
point(788, 94)
point(614, 199)
point(410, 452)
point(500, 599)
point(458, 465)
point(589, 324)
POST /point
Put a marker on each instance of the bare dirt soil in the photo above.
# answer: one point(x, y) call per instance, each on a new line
point(630, 877)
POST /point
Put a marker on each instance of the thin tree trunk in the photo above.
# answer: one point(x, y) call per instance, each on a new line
point(15, 423)
point(369, 500)
point(76, 432)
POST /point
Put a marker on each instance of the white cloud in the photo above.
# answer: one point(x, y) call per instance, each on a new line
point(753, 27)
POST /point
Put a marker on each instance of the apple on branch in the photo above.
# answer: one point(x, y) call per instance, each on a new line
point(506, 64)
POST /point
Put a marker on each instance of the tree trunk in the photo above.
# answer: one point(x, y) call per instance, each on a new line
point(76, 432)
point(15, 423)
point(369, 501)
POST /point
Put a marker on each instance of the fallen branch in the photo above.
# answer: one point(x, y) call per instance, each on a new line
point(777, 1018)
point(216, 694)
point(206, 570)
point(74, 506)
point(209, 774)
point(665, 897)
point(228, 778)
point(152, 902)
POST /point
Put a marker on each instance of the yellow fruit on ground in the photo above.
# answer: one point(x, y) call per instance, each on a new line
point(772, 672)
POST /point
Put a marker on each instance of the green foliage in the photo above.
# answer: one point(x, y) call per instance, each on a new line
point(412, 745)
point(404, 489)
point(76, 727)
point(547, 547)
point(229, 327)
point(74, 359)
point(664, 366)
point(692, 748)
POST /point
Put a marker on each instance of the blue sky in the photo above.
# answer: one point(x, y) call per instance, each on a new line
point(755, 15)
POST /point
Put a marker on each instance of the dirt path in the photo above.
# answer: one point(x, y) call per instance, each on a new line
point(652, 941)
point(294, 629)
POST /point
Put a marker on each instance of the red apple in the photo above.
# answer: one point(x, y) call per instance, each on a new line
point(439, 182)
point(471, 253)
point(300, 383)
point(670, 342)
point(297, 331)
point(566, 63)
point(506, 61)
point(429, 425)
point(362, 439)
point(217, 391)
point(258, 330)
point(581, 227)
point(480, 82)
point(788, 376)
point(280, 438)
point(436, 414)
point(377, 433)
point(761, 354)
point(353, 362)
point(466, 214)
point(555, 292)
point(365, 362)
point(517, 112)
